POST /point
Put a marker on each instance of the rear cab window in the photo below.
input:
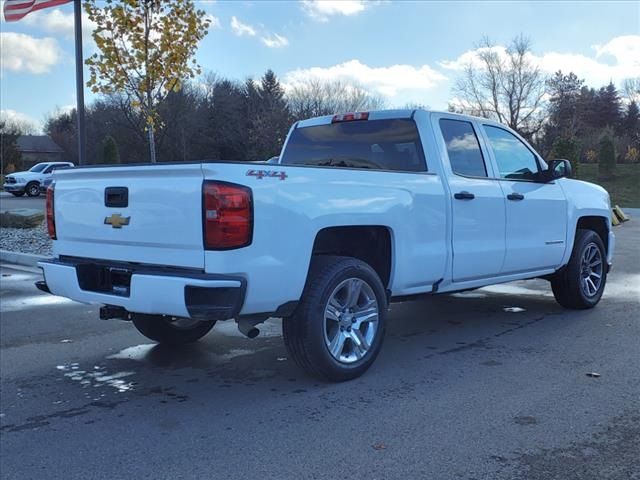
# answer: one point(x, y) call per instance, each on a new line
point(385, 144)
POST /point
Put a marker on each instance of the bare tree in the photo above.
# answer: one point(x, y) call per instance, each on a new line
point(631, 89)
point(313, 97)
point(505, 85)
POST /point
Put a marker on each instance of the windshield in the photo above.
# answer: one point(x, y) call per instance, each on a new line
point(391, 144)
point(38, 168)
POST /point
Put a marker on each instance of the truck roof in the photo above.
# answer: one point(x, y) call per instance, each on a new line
point(387, 114)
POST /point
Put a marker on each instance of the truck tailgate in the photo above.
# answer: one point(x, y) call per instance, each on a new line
point(153, 214)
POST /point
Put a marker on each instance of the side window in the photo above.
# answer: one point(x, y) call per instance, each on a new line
point(463, 148)
point(514, 159)
point(49, 169)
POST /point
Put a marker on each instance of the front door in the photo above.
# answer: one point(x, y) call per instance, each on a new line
point(478, 238)
point(536, 212)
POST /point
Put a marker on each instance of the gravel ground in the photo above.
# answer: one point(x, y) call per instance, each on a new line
point(26, 240)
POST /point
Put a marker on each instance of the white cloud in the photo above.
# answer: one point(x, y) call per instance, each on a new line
point(24, 53)
point(57, 22)
point(624, 52)
point(321, 10)
point(625, 49)
point(471, 57)
point(241, 29)
point(214, 22)
point(26, 122)
point(274, 41)
point(389, 81)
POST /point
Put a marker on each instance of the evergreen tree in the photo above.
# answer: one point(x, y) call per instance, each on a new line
point(568, 148)
point(563, 119)
point(631, 122)
point(227, 121)
point(607, 154)
point(271, 121)
point(9, 153)
point(608, 106)
point(110, 153)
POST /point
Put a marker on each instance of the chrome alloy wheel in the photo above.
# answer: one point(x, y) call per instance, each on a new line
point(591, 268)
point(350, 320)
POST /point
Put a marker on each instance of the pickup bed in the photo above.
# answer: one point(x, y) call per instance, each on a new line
point(361, 210)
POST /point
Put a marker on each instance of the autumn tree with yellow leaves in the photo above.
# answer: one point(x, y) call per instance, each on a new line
point(146, 50)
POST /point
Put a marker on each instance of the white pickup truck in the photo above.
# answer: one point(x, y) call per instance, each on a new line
point(361, 210)
point(31, 181)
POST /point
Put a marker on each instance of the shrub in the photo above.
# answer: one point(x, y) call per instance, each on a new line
point(110, 153)
point(591, 155)
point(632, 155)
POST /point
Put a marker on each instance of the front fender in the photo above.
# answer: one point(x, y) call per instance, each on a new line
point(586, 200)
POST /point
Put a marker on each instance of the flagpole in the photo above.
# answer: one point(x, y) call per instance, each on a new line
point(82, 143)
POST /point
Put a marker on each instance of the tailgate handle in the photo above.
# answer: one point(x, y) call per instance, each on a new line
point(116, 197)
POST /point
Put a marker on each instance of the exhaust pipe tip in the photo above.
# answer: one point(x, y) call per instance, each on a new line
point(253, 332)
point(248, 329)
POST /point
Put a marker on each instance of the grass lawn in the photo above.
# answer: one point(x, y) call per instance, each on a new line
point(624, 188)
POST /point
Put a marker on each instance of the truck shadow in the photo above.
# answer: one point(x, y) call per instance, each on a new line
point(416, 332)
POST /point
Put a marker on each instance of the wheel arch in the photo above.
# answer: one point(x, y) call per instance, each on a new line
point(596, 223)
point(370, 243)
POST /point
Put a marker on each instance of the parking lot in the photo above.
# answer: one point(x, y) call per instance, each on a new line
point(488, 384)
point(10, 202)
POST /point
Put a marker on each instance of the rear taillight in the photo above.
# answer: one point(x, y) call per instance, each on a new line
point(227, 215)
point(350, 117)
point(51, 218)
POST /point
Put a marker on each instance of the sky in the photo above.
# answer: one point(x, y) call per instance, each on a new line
point(406, 51)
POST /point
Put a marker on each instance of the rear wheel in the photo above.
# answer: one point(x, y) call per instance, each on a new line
point(17, 194)
point(33, 189)
point(581, 283)
point(337, 329)
point(169, 330)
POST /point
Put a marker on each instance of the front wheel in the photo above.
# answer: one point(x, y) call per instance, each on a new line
point(172, 331)
point(581, 283)
point(337, 329)
point(33, 189)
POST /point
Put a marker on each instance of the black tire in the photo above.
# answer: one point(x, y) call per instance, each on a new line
point(305, 331)
point(32, 189)
point(17, 194)
point(567, 283)
point(160, 329)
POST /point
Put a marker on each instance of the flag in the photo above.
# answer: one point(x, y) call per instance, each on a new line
point(15, 10)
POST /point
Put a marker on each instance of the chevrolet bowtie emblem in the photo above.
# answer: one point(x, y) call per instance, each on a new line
point(116, 220)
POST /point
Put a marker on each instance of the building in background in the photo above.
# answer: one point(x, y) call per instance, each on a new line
point(37, 148)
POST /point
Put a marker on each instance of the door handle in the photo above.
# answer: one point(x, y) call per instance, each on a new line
point(515, 196)
point(464, 195)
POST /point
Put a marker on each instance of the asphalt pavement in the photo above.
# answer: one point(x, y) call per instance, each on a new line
point(487, 384)
point(10, 202)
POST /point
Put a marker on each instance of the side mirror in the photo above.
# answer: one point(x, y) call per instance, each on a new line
point(557, 169)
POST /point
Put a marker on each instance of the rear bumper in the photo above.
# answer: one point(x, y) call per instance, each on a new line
point(152, 290)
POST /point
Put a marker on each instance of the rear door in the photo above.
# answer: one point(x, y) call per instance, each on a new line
point(478, 220)
point(146, 214)
point(536, 211)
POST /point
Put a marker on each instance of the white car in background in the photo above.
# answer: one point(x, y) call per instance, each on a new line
point(29, 182)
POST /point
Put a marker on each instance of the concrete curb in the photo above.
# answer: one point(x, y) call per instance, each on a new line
point(17, 258)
